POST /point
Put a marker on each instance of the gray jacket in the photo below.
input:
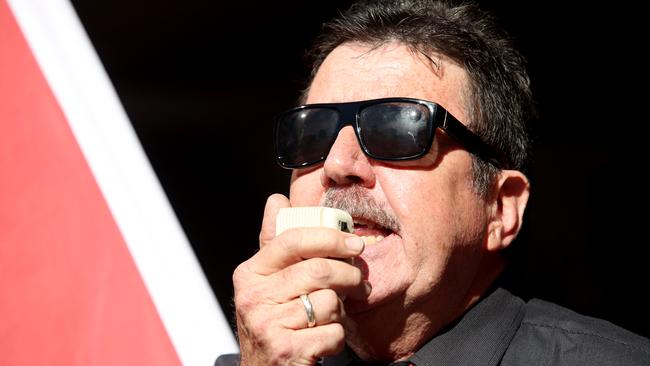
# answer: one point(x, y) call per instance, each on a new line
point(502, 329)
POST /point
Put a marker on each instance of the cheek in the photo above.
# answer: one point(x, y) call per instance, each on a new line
point(432, 210)
point(416, 198)
point(423, 210)
point(305, 188)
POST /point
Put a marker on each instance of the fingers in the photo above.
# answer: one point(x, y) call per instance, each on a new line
point(278, 333)
point(315, 274)
point(326, 340)
point(295, 245)
point(272, 320)
point(296, 347)
point(273, 204)
point(326, 304)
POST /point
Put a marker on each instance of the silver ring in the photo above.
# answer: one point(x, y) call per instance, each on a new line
point(309, 309)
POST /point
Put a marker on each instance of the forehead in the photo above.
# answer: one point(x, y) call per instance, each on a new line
point(355, 71)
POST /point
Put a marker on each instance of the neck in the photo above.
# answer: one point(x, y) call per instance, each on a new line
point(382, 339)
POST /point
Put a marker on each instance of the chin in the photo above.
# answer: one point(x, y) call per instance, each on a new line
point(381, 263)
point(380, 299)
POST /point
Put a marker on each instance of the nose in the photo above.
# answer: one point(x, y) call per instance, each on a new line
point(346, 163)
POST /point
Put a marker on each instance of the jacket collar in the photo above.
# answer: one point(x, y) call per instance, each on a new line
point(480, 337)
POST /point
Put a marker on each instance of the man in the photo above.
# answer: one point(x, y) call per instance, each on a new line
point(415, 124)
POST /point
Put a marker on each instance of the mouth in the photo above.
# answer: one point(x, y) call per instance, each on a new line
point(373, 220)
point(371, 232)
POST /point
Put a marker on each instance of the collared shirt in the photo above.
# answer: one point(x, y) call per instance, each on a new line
point(502, 329)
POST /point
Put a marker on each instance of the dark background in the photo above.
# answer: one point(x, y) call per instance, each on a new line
point(201, 81)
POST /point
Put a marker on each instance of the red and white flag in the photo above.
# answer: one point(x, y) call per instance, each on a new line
point(94, 267)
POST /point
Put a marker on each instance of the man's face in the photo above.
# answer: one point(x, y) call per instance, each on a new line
point(429, 265)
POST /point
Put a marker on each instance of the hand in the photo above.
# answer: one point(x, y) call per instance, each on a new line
point(271, 318)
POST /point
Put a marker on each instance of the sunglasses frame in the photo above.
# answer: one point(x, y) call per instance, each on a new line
point(439, 117)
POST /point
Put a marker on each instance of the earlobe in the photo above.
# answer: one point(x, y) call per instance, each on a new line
point(513, 189)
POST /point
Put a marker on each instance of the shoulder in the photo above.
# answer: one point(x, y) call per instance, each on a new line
point(551, 334)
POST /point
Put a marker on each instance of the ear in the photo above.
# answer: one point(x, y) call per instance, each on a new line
point(507, 209)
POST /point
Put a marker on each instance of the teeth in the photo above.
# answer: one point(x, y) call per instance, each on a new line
point(372, 239)
point(370, 225)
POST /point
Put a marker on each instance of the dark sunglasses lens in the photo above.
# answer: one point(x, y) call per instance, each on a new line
point(305, 136)
point(399, 130)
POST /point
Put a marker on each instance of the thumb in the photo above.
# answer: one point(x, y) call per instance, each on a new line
point(273, 204)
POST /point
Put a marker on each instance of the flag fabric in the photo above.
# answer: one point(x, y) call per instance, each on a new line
point(94, 266)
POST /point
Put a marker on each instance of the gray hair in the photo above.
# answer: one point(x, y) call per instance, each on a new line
point(500, 102)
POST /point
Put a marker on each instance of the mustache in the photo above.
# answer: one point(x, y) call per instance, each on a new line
point(358, 203)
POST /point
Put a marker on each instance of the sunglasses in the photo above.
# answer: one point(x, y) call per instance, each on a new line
point(388, 129)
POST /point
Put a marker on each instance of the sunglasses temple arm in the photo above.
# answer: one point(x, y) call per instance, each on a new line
point(470, 140)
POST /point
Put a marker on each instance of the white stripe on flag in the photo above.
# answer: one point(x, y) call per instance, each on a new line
point(166, 262)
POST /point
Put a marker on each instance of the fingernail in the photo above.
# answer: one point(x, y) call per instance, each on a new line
point(368, 287)
point(354, 243)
